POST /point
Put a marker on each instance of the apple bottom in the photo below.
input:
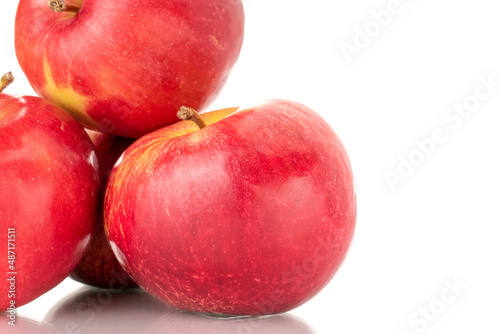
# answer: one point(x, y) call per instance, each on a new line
point(251, 292)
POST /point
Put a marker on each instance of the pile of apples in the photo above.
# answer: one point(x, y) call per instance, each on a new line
point(246, 212)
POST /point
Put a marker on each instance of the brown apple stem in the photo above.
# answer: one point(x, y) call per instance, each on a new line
point(58, 6)
point(189, 114)
point(6, 80)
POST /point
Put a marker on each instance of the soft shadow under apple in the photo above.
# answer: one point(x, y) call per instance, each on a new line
point(95, 311)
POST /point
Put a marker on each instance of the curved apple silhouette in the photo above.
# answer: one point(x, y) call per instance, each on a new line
point(125, 67)
point(99, 266)
point(49, 191)
point(252, 214)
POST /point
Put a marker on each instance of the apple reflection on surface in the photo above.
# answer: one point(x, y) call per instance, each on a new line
point(24, 326)
point(190, 323)
point(96, 311)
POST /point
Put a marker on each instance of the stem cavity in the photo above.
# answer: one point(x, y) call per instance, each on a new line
point(6, 80)
point(58, 6)
point(189, 114)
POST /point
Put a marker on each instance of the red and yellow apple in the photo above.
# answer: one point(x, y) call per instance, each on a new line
point(125, 67)
point(248, 213)
point(99, 266)
point(49, 195)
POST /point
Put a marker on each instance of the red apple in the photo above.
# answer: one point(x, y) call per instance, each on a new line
point(252, 214)
point(49, 194)
point(99, 266)
point(125, 67)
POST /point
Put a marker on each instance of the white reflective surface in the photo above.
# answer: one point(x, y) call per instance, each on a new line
point(425, 256)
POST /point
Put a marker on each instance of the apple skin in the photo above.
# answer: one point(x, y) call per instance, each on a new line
point(251, 215)
point(99, 266)
point(49, 192)
point(126, 67)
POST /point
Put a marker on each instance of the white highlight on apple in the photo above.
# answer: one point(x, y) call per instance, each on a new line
point(453, 118)
point(421, 319)
point(363, 37)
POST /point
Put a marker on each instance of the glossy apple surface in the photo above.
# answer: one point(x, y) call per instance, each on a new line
point(125, 67)
point(49, 193)
point(251, 215)
point(99, 266)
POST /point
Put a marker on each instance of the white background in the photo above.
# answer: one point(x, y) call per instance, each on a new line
point(439, 227)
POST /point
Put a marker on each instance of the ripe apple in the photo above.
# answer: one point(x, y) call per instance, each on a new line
point(125, 67)
point(49, 195)
point(249, 214)
point(99, 266)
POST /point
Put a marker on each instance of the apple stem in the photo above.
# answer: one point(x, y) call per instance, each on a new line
point(5, 81)
point(58, 6)
point(189, 114)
